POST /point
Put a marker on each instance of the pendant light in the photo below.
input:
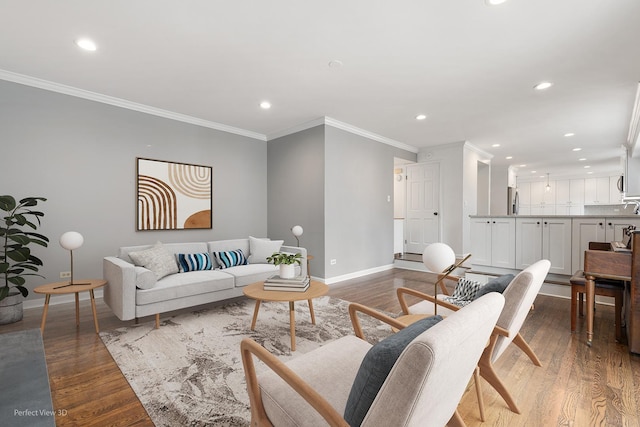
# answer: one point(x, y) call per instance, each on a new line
point(548, 187)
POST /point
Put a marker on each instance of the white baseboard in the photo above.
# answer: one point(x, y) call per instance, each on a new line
point(356, 274)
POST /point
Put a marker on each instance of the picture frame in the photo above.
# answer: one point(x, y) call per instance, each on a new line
point(173, 196)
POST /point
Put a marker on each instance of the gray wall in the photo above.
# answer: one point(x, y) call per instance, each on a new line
point(296, 165)
point(81, 156)
point(358, 214)
point(335, 185)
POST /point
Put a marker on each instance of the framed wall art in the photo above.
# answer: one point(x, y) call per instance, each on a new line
point(173, 196)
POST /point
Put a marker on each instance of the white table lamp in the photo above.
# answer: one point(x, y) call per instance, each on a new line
point(297, 232)
point(71, 240)
point(440, 258)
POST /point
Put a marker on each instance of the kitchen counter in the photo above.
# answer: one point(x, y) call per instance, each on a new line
point(625, 216)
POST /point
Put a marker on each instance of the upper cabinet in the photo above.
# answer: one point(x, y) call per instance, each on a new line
point(596, 191)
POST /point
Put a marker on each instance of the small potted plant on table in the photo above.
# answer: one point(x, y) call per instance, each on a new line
point(286, 262)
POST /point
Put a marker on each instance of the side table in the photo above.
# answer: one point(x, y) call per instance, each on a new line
point(256, 292)
point(59, 288)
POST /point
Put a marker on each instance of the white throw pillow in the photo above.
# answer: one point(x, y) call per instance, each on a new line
point(157, 259)
point(260, 249)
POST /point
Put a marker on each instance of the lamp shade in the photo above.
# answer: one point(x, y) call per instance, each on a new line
point(71, 240)
point(438, 256)
point(297, 230)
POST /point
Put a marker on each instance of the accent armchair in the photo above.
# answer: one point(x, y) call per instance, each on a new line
point(423, 386)
point(519, 297)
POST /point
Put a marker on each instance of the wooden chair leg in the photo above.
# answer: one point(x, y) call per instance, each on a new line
point(488, 373)
point(574, 303)
point(522, 345)
point(580, 305)
point(476, 379)
point(157, 320)
point(618, 316)
point(456, 420)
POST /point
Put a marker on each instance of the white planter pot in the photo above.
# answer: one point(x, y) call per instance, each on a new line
point(287, 271)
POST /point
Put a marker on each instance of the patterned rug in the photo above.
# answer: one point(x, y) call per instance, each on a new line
point(189, 372)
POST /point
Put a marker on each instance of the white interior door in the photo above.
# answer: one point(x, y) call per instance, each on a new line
point(423, 206)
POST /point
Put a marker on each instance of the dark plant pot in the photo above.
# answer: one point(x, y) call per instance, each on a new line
point(11, 309)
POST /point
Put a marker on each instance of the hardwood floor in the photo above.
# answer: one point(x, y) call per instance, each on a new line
point(577, 385)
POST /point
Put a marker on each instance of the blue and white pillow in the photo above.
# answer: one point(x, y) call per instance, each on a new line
point(464, 293)
point(194, 262)
point(228, 259)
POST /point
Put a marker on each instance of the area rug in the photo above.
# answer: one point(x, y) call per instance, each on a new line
point(189, 372)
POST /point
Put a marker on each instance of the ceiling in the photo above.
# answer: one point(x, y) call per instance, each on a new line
point(468, 66)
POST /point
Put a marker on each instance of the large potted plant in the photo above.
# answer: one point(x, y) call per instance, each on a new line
point(16, 260)
point(286, 262)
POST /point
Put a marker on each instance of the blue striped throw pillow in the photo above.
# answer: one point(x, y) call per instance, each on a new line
point(228, 259)
point(194, 262)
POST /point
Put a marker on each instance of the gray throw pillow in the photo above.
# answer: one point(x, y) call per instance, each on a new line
point(498, 284)
point(260, 249)
point(375, 368)
point(157, 259)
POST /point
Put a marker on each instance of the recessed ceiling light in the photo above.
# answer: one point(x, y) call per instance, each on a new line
point(494, 2)
point(577, 149)
point(582, 159)
point(86, 44)
point(589, 172)
point(523, 166)
point(265, 105)
point(534, 171)
point(421, 116)
point(543, 85)
point(509, 157)
point(569, 134)
point(587, 167)
point(496, 145)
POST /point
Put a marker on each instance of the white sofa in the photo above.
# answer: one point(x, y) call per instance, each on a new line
point(125, 295)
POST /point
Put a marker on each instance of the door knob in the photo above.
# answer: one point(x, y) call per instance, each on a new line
point(435, 213)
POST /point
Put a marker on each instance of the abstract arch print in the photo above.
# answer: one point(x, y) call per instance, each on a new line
point(173, 196)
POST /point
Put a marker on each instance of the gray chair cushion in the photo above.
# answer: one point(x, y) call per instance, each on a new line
point(376, 367)
point(498, 284)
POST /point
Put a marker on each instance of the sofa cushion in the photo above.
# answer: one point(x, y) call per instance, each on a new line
point(344, 355)
point(183, 285)
point(145, 279)
point(260, 249)
point(251, 273)
point(226, 259)
point(194, 262)
point(376, 367)
point(157, 259)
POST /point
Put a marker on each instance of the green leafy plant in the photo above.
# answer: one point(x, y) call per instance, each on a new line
point(278, 258)
point(16, 260)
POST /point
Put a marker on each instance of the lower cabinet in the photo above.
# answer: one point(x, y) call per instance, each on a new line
point(492, 242)
point(603, 229)
point(544, 238)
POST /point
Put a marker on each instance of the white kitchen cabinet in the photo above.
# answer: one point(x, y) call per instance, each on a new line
point(585, 230)
point(576, 191)
point(544, 238)
point(596, 191)
point(492, 241)
point(615, 196)
point(614, 228)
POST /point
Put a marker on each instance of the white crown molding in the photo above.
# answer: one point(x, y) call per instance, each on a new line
point(123, 103)
point(365, 133)
point(484, 154)
point(328, 121)
point(634, 126)
point(297, 128)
